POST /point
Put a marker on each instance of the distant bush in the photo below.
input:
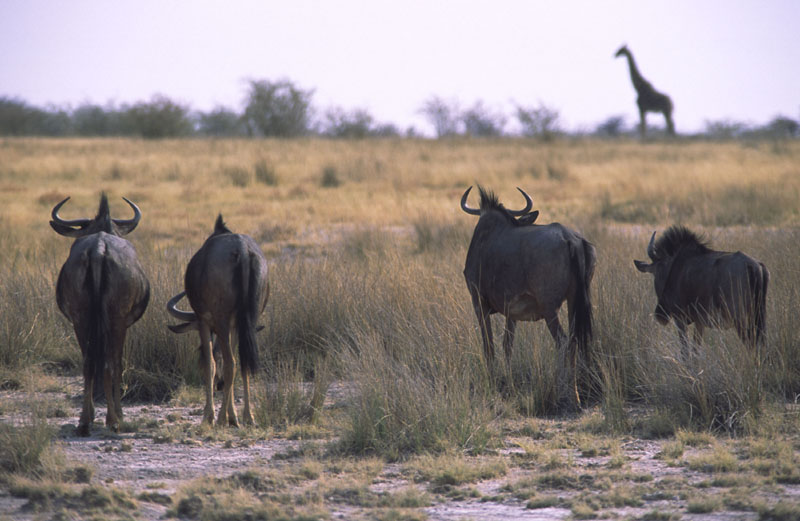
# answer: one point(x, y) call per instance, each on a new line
point(330, 177)
point(159, 118)
point(91, 120)
point(481, 122)
point(540, 122)
point(17, 118)
point(220, 122)
point(443, 115)
point(278, 109)
point(782, 127)
point(238, 175)
point(353, 124)
point(265, 173)
point(611, 127)
point(725, 129)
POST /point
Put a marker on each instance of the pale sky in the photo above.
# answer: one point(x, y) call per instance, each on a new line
point(721, 59)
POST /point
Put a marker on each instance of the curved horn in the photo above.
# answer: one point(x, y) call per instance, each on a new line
point(528, 205)
point(128, 225)
point(471, 211)
point(651, 248)
point(63, 222)
point(188, 316)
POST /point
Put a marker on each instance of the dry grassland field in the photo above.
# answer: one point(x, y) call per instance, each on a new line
point(374, 401)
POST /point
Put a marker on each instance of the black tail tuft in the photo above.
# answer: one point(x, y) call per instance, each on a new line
point(95, 358)
point(245, 280)
point(758, 284)
point(580, 320)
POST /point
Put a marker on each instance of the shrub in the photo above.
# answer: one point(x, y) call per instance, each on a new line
point(23, 448)
point(330, 177)
point(277, 108)
point(265, 173)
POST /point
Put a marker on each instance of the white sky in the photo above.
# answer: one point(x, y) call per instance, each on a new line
point(721, 59)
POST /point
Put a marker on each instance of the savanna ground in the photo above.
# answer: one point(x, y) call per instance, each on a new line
point(374, 401)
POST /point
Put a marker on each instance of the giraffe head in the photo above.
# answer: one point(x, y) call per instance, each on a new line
point(622, 51)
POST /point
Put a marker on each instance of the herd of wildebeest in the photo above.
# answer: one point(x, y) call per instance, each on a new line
point(515, 267)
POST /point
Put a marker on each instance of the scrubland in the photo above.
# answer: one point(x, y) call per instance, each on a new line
point(366, 244)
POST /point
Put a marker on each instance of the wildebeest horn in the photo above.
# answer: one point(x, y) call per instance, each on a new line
point(471, 211)
point(73, 223)
point(651, 248)
point(128, 225)
point(188, 316)
point(528, 205)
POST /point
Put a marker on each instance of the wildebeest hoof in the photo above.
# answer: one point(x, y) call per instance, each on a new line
point(83, 430)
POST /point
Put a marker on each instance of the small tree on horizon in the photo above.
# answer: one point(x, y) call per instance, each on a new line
point(541, 122)
point(220, 122)
point(277, 109)
point(613, 126)
point(479, 121)
point(340, 123)
point(444, 116)
point(158, 118)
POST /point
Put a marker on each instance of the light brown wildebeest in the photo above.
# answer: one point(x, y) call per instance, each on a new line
point(226, 283)
point(102, 290)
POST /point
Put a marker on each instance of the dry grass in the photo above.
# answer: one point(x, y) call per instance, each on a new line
point(367, 271)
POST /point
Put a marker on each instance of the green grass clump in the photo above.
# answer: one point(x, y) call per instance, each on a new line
point(453, 470)
point(23, 449)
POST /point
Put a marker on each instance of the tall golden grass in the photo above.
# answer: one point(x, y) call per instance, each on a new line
point(366, 244)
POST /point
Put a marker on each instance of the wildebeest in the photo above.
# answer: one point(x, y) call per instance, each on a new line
point(102, 290)
point(226, 283)
point(697, 285)
point(526, 271)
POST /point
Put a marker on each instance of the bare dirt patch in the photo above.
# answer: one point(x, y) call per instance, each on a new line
point(549, 469)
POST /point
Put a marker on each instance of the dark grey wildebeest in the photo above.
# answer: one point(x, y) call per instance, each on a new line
point(226, 283)
point(526, 271)
point(102, 290)
point(697, 285)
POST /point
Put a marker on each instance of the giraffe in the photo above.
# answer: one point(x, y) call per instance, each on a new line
point(648, 98)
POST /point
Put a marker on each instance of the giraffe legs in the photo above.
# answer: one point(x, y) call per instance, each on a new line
point(670, 123)
point(642, 122)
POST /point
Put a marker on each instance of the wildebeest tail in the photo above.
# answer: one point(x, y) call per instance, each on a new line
point(583, 261)
point(759, 280)
point(95, 282)
point(245, 279)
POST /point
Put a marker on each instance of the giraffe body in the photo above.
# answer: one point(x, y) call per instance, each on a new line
point(648, 98)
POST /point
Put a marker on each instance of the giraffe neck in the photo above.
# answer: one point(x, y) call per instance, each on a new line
point(636, 77)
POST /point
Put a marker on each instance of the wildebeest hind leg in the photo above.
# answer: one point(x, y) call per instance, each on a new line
point(87, 412)
point(207, 357)
point(565, 370)
point(112, 379)
point(112, 421)
point(247, 415)
point(227, 414)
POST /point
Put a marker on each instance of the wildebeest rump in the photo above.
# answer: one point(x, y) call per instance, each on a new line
point(226, 283)
point(525, 272)
point(697, 285)
point(102, 290)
